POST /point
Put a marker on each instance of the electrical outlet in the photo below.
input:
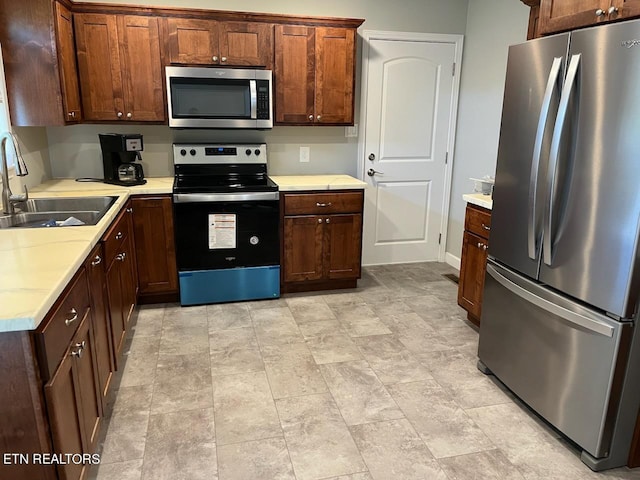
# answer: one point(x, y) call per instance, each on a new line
point(304, 154)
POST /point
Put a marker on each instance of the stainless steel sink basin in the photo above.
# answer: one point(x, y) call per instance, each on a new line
point(66, 204)
point(58, 212)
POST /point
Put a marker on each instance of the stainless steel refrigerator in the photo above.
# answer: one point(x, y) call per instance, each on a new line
point(561, 294)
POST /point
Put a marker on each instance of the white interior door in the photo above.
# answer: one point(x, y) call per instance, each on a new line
point(410, 90)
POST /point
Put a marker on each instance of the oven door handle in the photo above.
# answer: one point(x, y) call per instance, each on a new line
point(224, 197)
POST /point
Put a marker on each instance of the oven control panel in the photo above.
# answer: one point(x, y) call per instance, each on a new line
point(206, 154)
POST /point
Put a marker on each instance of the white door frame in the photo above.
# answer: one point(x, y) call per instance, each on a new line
point(457, 41)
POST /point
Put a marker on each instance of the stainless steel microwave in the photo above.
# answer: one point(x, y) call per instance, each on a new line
point(219, 98)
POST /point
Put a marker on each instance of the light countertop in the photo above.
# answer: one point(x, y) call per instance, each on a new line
point(288, 183)
point(36, 264)
point(479, 199)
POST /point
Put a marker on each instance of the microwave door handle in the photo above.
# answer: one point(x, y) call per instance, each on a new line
point(552, 85)
point(254, 99)
point(567, 91)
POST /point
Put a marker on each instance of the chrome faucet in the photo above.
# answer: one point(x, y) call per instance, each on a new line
point(8, 198)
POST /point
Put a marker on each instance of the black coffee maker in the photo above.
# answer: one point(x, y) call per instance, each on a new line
point(119, 153)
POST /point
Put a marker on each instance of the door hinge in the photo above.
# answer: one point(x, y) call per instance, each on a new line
point(439, 239)
point(453, 70)
point(446, 158)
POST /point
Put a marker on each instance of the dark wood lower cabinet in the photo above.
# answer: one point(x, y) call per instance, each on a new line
point(322, 240)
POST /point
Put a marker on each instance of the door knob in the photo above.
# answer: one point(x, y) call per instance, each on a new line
point(372, 157)
point(371, 172)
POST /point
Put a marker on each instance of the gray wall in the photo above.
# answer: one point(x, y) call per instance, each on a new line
point(75, 151)
point(484, 64)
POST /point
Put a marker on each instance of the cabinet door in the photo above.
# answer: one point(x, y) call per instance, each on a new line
point(83, 351)
point(63, 398)
point(559, 15)
point(155, 245)
point(128, 280)
point(303, 238)
point(101, 321)
point(246, 43)
point(141, 68)
point(472, 269)
point(99, 66)
point(67, 64)
point(294, 74)
point(193, 42)
point(335, 75)
point(342, 248)
point(626, 8)
point(114, 290)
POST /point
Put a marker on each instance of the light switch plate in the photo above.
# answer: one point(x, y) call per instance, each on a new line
point(304, 154)
point(351, 132)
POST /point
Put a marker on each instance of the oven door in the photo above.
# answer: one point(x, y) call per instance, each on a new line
point(221, 231)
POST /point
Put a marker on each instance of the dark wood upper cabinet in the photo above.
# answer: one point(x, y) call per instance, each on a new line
point(209, 42)
point(120, 67)
point(626, 8)
point(559, 15)
point(314, 75)
point(39, 62)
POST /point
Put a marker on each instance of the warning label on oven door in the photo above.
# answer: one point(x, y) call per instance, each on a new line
point(222, 231)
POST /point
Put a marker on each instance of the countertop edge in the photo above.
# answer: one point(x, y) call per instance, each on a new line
point(479, 199)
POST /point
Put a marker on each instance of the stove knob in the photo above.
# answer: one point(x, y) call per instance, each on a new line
point(257, 152)
point(193, 152)
point(248, 152)
point(183, 152)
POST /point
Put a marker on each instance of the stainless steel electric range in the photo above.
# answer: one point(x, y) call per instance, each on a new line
point(226, 215)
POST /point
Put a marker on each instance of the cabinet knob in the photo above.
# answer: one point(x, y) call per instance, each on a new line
point(223, 59)
point(129, 115)
point(80, 347)
point(119, 235)
point(120, 257)
point(600, 12)
point(119, 114)
point(319, 220)
point(71, 317)
point(486, 227)
point(612, 10)
point(319, 117)
point(311, 118)
point(328, 220)
point(483, 246)
point(96, 261)
point(214, 58)
point(129, 210)
point(72, 114)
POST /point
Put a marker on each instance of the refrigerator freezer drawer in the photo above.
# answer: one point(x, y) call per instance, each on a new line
point(559, 357)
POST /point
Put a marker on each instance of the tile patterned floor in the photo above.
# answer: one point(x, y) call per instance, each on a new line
point(377, 383)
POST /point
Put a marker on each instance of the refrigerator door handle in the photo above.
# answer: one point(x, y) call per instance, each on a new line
point(552, 85)
point(572, 73)
point(577, 319)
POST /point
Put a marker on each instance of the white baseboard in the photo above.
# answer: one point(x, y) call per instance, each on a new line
point(452, 260)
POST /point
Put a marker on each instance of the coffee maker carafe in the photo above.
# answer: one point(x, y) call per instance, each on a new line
point(119, 153)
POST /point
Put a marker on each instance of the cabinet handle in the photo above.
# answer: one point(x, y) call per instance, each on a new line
point(70, 319)
point(96, 261)
point(318, 204)
point(600, 12)
point(129, 210)
point(486, 227)
point(482, 246)
point(612, 10)
point(223, 59)
point(119, 114)
point(328, 220)
point(80, 346)
point(119, 235)
point(121, 256)
point(311, 118)
point(214, 58)
point(129, 115)
point(72, 114)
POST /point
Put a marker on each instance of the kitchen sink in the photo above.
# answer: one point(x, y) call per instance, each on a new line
point(58, 212)
point(66, 204)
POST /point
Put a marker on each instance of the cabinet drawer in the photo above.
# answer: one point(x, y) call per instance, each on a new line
point(322, 203)
point(58, 328)
point(478, 221)
point(115, 236)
